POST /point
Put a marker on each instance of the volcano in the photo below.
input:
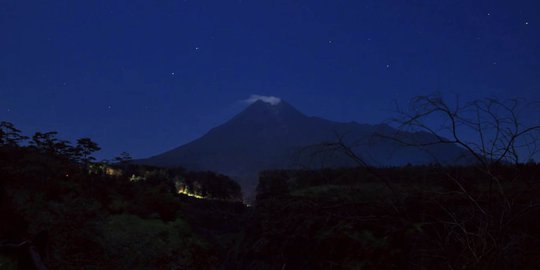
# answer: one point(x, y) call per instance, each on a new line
point(275, 135)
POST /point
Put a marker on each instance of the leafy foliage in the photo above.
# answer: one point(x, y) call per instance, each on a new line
point(164, 244)
point(9, 135)
point(93, 220)
point(124, 216)
point(344, 219)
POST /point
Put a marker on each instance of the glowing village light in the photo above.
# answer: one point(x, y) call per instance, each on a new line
point(184, 191)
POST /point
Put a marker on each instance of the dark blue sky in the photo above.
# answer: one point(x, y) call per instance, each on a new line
point(147, 76)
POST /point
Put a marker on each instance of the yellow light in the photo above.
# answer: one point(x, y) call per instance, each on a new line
point(113, 172)
point(185, 192)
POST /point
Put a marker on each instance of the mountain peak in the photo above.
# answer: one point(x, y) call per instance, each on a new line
point(266, 99)
point(265, 103)
point(261, 109)
point(271, 135)
point(282, 104)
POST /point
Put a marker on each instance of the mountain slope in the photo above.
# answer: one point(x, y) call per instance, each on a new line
point(270, 136)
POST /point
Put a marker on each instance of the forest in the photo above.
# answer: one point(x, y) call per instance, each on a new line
point(62, 209)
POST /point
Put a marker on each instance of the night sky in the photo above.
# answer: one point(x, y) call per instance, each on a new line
point(147, 76)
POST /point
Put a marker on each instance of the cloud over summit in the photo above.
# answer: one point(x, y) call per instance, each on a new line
point(268, 99)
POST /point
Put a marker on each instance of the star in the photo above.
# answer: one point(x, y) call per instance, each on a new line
point(388, 66)
point(526, 23)
point(489, 14)
point(109, 107)
point(196, 48)
point(172, 73)
point(330, 42)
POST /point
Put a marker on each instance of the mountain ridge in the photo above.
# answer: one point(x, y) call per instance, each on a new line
point(273, 136)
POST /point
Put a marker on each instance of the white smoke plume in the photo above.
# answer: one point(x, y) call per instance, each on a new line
point(268, 99)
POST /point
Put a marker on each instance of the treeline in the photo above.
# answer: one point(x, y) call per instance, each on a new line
point(48, 143)
point(437, 218)
point(200, 184)
point(286, 181)
point(58, 200)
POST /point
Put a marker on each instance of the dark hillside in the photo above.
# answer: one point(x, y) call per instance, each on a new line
point(62, 210)
point(75, 214)
point(347, 219)
point(277, 136)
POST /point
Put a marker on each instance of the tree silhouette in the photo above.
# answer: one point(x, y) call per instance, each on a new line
point(123, 158)
point(497, 135)
point(48, 143)
point(9, 135)
point(84, 149)
point(491, 130)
